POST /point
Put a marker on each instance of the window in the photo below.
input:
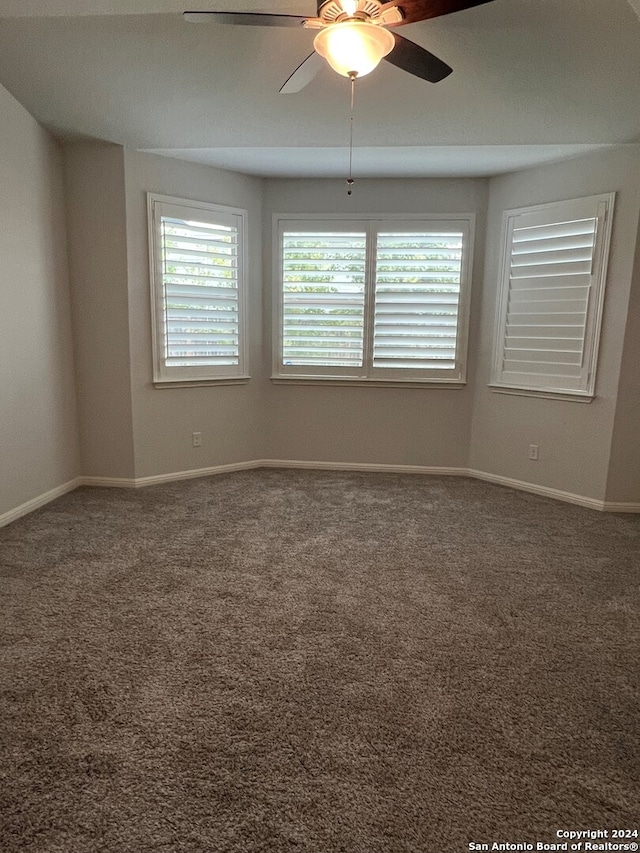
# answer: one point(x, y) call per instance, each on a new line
point(554, 260)
point(382, 300)
point(198, 290)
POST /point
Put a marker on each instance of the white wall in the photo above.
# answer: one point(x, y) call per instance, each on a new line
point(574, 438)
point(228, 416)
point(38, 436)
point(393, 426)
point(96, 213)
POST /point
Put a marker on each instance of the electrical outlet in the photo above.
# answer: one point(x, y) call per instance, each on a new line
point(197, 439)
point(533, 452)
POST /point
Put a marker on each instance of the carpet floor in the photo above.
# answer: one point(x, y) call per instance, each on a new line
point(276, 661)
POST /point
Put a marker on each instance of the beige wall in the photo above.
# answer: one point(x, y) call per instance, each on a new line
point(574, 438)
point(130, 429)
point(228, 416)
point(624, 467)
point(392, 426)
point(38, 437)
point(96, 217)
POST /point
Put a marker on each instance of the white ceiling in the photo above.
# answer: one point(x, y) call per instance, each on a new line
point(533, 81)
point(460, 161)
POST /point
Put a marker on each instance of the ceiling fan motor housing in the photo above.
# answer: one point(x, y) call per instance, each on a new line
point(332, 11)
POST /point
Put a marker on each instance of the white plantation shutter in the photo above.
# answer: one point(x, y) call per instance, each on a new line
point(418, 277)
point(323, 284)
point(553, 285)
point(200, 283)
point(197, 258)
point(550, 278)
point(380, 299)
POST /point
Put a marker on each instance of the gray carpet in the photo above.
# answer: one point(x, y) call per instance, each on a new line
point(287, 661)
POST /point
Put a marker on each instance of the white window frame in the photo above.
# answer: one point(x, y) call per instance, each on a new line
point(171, 376)
point(367, 375)
point(599, 207)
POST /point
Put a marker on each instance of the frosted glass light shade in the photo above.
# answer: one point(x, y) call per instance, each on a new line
point(354, 46)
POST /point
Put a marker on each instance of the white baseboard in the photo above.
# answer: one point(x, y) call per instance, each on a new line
point(361, 466)
point(158, 479)
point(40, 500)
point(109, 482)
point(521, 485)
point(620, 506)
point(535, 489)
point(195, 473)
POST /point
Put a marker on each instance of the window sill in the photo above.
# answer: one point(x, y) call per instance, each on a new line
point(443, 384)
point(200, 383)
point(565, 396)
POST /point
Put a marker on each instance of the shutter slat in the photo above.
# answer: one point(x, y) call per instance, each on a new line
point(551, 318)
point(555, 230)
point(294, 337)
point(547, 306)
point(198, 326)
point(558, 344)
point(339, 286)
point(538, 270)
point(546, 357)
point(290, 326)
point(327, 346)
point(417, 301)
point(398, 314)
point(204, 361)
point(318, 243)
point(556, 284)
point(417, 340)
point(180, 274)
point(328, 301)
point(447, 282)
point(193, 312)
point(430, 351)
point(204, 350)
point(542, 369)
point(559, 255)
point(445, 363)
point(226, 306)
point(207, 251)
point(336, 361)
point(553, 244)
point(204, 231)
point(184, 243)
point(199, 292)
point(430, 328)
point(417, 264)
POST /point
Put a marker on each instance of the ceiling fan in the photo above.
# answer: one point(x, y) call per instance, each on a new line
point(353, 36)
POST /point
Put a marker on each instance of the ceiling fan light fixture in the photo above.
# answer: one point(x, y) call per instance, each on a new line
point(354, 47)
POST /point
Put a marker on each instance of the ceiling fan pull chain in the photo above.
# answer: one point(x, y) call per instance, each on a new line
point(350, 181)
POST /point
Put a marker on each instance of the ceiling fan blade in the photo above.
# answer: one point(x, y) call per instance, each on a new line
point(422, 10)
point(303, 75)
point(417, 61)
point(251, 19)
